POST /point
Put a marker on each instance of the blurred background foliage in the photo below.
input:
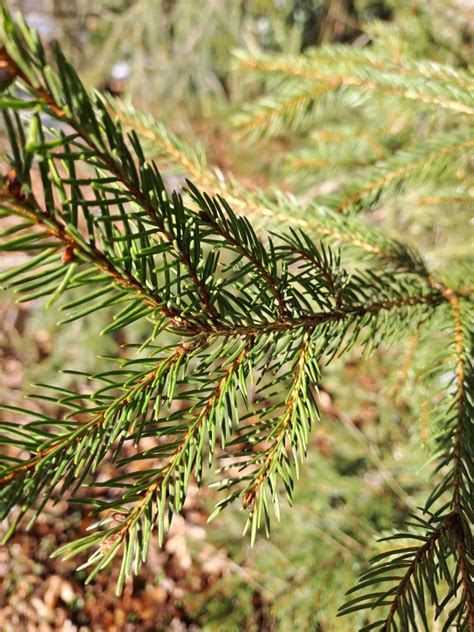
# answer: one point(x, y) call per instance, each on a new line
point(175, 59)
point(178, 53)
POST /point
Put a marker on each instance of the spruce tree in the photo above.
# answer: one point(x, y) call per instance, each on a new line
point(241, 323)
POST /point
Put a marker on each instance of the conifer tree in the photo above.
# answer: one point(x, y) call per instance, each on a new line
point(241, 323)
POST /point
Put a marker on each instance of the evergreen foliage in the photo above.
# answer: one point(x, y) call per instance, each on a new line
point(241, 324)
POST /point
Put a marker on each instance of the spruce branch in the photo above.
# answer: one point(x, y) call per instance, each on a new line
point(96, 140)
point(29, 208)
point(445, 556)
point(319, 220)
point(56, 459)
point(399, 170)
point(409, 584)
point(242, 307)
point(413, 559)
point(356, 71)
point(459, 350)
point(290, 431)
point(165, 485)
point(274, 114)
point(238, 232)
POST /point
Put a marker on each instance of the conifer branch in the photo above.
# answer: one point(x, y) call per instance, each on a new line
point(115, 166)
point(230, 230)
point(444, 535)
point(169, 148)
point(463, 538)
point(30, 209)
point(272, 114)
point(284, 432)
point(242, 306)
point(401, 168)
point(181, 452)
point(344, 312)
point(405, 585)
point(101, 418)
point(305, 69)
point(253, 203)
point(459, 351)
point(166, 146)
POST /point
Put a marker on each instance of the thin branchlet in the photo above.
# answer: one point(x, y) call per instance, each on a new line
point(30, 209)
point(419, 558)
point(98, 419)
point(175, 459)
point(334, 82)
